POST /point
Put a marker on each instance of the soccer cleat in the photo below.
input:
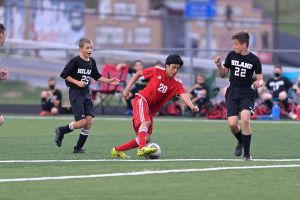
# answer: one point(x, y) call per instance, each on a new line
point(239, 149)
point(79, 150)
point(247, 157)
point(59, 136)
point(120, 154)
point(146, 150)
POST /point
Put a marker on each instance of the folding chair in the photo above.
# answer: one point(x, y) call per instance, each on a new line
point(106, 91)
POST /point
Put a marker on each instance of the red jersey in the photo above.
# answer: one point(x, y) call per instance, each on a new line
point(160, 88)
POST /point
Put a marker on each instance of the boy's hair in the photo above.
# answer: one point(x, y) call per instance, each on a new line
point(2, 28)
point(52, 78)
point(174, 59)
point(83, 41)
point(242, 37)
point(278, 66)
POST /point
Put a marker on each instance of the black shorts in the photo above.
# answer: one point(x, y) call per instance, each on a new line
point(238, 99)
point(81, 103)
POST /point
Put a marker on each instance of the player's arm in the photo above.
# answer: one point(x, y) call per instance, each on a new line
point(76, 82)
point(222, 70)
point(3, 74)
point(187, 100)
point(114, 81)
point(259, 81)
point(134, 79)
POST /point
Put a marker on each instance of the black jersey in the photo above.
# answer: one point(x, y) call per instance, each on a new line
point(242, 68)
point(80, 70)
point(279, 85)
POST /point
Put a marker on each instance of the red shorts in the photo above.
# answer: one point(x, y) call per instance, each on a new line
point(141, 114)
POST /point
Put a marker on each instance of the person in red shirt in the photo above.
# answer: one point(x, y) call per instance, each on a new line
point(163, 84)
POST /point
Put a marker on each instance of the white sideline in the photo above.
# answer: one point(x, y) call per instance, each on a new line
point(158, 160)
point(118, 118)
point(138, 173)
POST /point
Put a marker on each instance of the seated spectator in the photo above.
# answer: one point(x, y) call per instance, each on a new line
point(51, 99)
point(199, 92)
point(276, 89)
point(140, 84)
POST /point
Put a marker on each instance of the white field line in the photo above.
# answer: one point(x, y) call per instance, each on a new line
point(139, 173)
point(118, 118)
point(158, 160)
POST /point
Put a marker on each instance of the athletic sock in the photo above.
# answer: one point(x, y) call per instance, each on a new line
point(84, 133)
point(286, 105)
point(247, 142)
point(142, 137)
point(131, 144)
point(239, 136)
point(67, 129)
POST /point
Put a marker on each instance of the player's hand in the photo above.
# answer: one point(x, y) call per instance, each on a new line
point(218, 61)
point(258, 84)
point(126, 93)
point(81, 84)
point(114, 81)
point(3, 74)
point(195, 109)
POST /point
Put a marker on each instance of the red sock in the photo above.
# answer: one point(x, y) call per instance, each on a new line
point(131, 144)
point(142, 137)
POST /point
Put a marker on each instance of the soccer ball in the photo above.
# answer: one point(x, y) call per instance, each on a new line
point(155, 155)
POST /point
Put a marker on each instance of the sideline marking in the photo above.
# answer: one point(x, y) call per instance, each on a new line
point(138, 173)
point(158, 160)
point(118, 118)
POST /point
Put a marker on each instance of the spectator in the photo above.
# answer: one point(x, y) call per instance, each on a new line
point(140, 84)
point(277, 90)
point(51, 99)
point(199, 92)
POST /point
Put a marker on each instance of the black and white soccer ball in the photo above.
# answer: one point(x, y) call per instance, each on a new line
point(155, 155)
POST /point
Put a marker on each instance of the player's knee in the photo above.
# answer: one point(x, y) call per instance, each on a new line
point(89, 121)
point(266, 96)
point(44, 94)
point(79, 124)
point(54, 111)
point(282, 95)
point(1, 120)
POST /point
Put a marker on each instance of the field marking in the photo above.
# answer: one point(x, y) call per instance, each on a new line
point(180, 119)
point(139, 173)
point(158, 160)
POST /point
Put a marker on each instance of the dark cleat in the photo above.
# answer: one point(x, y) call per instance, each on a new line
point(58, 137)
point(239, 149)
point(247, 157)
point(79, 150)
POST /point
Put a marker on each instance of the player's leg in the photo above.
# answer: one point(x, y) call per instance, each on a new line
point(1, 119)
point(84, 133)
point(232, 106)
point(245, 124)
point(246, 108)
point(80, 121)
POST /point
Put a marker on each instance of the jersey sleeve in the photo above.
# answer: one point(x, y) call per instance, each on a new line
point(227, 63)
point(95, 73)
point(180, 89)
point(288, 83)
point(258, 68)
point(68, 69)
point(148, 73)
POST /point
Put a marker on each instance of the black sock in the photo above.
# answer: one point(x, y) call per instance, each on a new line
point(239, 136)
point(247, 142)
point(65, 129)
point(269, 103)
point(286, 105)
point(81, 141)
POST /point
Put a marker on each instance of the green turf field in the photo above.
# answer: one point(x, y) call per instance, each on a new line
point(197, 162)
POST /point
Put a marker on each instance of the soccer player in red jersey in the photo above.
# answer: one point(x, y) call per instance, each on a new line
point(163, 84)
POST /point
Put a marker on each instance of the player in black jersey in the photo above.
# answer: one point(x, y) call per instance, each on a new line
point(77, 74)
point(239, 95)
point(3, 72)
